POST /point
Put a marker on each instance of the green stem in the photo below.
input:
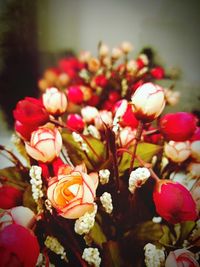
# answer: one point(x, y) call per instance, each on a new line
point(137, 139)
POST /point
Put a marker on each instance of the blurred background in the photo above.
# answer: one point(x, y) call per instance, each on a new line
point(35, 34)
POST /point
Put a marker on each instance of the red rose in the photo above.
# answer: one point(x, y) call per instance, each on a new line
point(100, 80)
point(75, 122)
point(157, 73)
point(179, 126)
point(29, 114)
point(18, 247)
point(75, 94)
point(10, 197)
point(174, 202)
point(71, 66)
point(196, 135)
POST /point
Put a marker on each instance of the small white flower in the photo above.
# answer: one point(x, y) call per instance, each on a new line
point(77, 138)
point(54, 245)
point(104, 175)
point(36, 182)
point(92, 256)
point(94, 131)
point(137, 178)
point(153, 257)
point(156, 219)
point(106, 201)
point(85, 223)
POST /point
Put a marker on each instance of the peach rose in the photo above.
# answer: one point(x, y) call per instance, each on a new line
point(73, 191)
point(45, 144)
point(54, 101)
point(181, 257)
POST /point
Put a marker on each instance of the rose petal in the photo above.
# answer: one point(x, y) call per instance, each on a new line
point(77, 211)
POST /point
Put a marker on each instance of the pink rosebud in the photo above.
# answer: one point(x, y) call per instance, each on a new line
point(73, 192)
point(148, 102)
point(10, 197)
point(54, 101)
point(157, 72)
point(45, 144)
point(177, 151)
point(181, 257)
point(179, 126)
point(75, 122)
point(174, 202)
point(56, 163)
point(75, 94)
point(18, 247)
point(129, 119)
point(17, 215)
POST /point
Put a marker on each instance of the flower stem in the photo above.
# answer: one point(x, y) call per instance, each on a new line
point(137, 139)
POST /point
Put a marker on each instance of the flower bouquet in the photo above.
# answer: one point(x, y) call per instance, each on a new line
point(104, 179)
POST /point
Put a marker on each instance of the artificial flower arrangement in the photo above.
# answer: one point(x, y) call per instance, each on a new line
point(108, 180)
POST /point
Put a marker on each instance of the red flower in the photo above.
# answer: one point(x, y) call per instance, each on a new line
point(174, 202)
point(157, 73)
point(29, 115)
point(129, 119)
point(18, 247)
point(100, 80)
point(71, 66)
point(113, 96)
point(75, 94)
point(10, 197)
point(56, 164)
point(75, 122)
point(196, 135)
point(179, 126)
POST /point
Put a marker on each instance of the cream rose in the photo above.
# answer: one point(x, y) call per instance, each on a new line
point(45, 144)
point(73, 191)
point(54, 101)
point(177, 151)
point(148, 102)
point(181, 257)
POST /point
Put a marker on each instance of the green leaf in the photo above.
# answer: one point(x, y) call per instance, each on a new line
point(145, 150)
point(97, 235)
point(112, 254)
point(167, 239)
point(13, 177)
point(96, 150)
point(186, 229)
point(28, 200)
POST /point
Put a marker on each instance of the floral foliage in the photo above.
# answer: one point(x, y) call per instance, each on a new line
point(108, 180)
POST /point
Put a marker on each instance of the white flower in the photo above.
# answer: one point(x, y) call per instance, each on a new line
point(126, 47)
point(85, 223)
point(172, 97)
point(94, 131)
point(54, 245)
point(137, 178)
point(89, 113)
point(153, 257)
point(36, 182)
point(92, 256)
point(177, 151)
point(77, 138)
point(104, 175)
point(106, 201)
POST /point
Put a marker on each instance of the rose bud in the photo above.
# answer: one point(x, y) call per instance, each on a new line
point(75, 122)
point(142, 61)
point(114, 96)
point(181, 257)
point(103, 50)
point(157, 72)
point(17, 215)
point(87, 92)
point(100, 80)
point(148, 102)
point(18, 247)
point(54, 101)
point(171, 97)
point(116, 53)
point(51, 75)
point(177, 151)
point(56, 163)
point(84, 56)
point(26, 109)
point(195, 150)
point(179, 126)
point(104, 117)
point(174, 202)
point(126, 47)
point(45, 144)
point(126, 136)
point(129, 119)
point(94, 100)
point(93, 64)
point(10, 196)
point(72, 193)
point(75, 94)
point(89, 113)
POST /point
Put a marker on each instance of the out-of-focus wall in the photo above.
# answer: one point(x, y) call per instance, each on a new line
point(170, 27)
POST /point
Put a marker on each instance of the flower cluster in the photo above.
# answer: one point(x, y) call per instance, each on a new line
point(109, 180)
